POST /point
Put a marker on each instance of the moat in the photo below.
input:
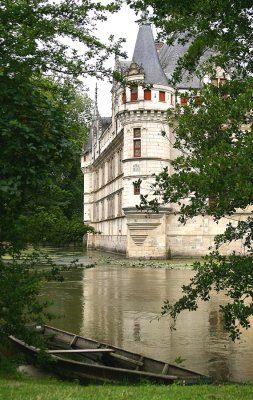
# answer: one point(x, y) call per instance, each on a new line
point(119, 302)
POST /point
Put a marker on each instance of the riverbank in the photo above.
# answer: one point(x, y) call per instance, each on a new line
point(26, 388)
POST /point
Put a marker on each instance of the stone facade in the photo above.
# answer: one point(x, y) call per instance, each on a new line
point(134, 144)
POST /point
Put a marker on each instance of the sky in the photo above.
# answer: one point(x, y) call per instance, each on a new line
point(121, 25)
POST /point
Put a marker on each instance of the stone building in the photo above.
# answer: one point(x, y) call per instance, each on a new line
point(133, 144)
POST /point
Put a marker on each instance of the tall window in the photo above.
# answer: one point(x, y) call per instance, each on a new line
point(102, 209)
point(219, 81)
point(137, 142)
point(124, 97)
point(172, 99)
point(161, 95)
point(95, 211)
point(110, 202)
point(119, 203)
point(109, 169)
point(119, 161)
point(96, 180)
point(112, 167)
point(134, 93)
point(183, 101)
point(212, 201)
point(103, 175)
point(147, 94)
point(137, 189)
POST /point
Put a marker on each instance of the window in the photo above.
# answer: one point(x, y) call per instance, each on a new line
point(212, 200)
point(219, 81)
point(215, 82)
point(161, 96)
point(172, 99)
point(109, 169)
point(137, 133)
point(137, 189)
point(113, 167)
point(96, 180)
point(198, 100)
point(147, 94)
point(183, 101)
point(124, 97)
point(102, 209)
point(134, 93)
point(120, 162)
point(110, 202)
point(103, 175)
point(95, 212)
point(137, 142)
point(119, 204)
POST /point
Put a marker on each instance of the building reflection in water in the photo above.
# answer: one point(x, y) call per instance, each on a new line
point(120, 306)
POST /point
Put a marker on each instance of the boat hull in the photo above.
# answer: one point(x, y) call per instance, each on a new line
point(103, 366)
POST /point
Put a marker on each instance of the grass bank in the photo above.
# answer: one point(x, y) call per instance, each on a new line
point(26, 388)
point(18, 386)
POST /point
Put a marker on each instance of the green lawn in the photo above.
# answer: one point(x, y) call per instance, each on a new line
point(49, 389)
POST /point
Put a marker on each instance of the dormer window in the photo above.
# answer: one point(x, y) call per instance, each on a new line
point(134, 93)
point(219, 81)
point(161, 95)
point(183, 101)
point(147, 94)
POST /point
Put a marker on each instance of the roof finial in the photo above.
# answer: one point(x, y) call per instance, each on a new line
point(145, 17)
point(96, 96)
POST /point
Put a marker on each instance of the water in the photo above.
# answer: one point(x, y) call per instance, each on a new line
point(119, 305)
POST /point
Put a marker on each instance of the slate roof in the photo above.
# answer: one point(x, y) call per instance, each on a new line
point(105, 122)
point(145, 55)
point(87, 147)
point(159, 66)
point(169, 56)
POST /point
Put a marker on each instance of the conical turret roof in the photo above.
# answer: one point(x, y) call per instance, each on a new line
point(145, 55)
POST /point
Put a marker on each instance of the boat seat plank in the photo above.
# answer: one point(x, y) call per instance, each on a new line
point(69, 351)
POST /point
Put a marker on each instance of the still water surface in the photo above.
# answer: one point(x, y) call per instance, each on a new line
point(119, 305)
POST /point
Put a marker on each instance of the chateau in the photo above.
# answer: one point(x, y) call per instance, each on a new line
point(135, 143)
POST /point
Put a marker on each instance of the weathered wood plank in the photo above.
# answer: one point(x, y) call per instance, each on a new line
point(126, 359)
point(79, 351)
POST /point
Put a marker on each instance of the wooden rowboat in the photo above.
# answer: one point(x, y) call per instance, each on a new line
point(100, 363)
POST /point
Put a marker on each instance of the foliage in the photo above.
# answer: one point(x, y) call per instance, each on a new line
point(224, 27)
point(53, 227)
point(213, 135)
point(20, 284)
point(45, 47)
point(41, 123)
point(53, 38)
point(42, 132)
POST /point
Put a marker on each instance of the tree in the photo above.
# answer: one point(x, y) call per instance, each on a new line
point(44, 47)
point(214, 136)
point(55, 213)
point(37, 130)
point(20, 284)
